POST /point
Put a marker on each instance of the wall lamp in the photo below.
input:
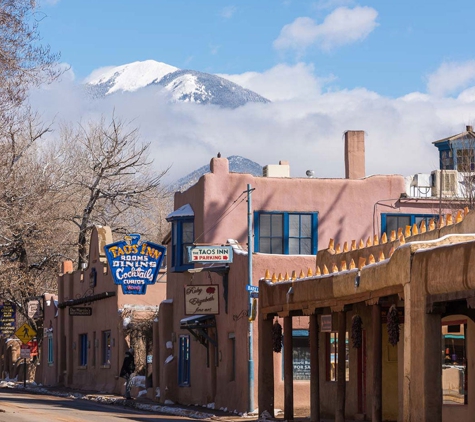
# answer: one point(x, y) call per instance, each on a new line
point(358, 278)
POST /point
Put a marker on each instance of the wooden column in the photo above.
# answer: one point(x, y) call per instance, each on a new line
point(341, 370)
point(266, 366)
point(288, 370)
point(377, 379)
point(314, 371)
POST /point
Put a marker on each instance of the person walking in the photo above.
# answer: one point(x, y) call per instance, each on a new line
point(128, 368)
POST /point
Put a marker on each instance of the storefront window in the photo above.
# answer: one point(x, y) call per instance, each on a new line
point(454, 363)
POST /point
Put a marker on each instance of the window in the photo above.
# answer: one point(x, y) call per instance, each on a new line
point(465, 160)
point(106, 347)
point(454, 363)
point(184, 361)
point(390, 222)
point(50, 350)
point(332, 358)
point(232, 354)
point(182, 236)
point(83, 345)
point(286, 233)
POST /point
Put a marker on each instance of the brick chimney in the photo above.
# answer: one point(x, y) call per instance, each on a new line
point(354, 154)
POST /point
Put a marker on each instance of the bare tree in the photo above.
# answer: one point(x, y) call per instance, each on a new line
point(24, 62)
point(112, 181)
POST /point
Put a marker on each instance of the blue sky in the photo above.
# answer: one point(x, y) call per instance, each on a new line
point(408, 42)
point(404, 72)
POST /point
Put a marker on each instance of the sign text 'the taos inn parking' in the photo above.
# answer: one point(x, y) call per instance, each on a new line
point(202, 299)
point(201, 254)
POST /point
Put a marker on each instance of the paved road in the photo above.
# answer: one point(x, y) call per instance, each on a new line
point(18, 406)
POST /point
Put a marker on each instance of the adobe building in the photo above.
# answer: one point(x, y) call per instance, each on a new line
point(406, 306)
point(91, 324)
point(211, 350)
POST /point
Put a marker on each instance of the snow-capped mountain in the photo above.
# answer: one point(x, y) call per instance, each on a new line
point(129, 77)
point(180, 85)
point(237, 164)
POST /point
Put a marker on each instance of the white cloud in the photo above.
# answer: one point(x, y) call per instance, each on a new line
point(451, 77)
point(282, 82)
point(342, 26)
point(302, 126)
point(228, 12)
point(330, 4)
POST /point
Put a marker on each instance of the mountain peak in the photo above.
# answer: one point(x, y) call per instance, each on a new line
point(131, 76)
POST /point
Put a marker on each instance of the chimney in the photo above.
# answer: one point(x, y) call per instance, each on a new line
point(354, 154)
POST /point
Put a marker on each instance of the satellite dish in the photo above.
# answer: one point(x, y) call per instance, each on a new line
point(309, 173)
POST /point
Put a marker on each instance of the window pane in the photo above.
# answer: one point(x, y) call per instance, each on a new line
point(305, 225)
point(305, 247)
point(264, 224)
point(393, 222)
point(277, 246)
point(264, 245)
point(277, 228)
point(187, 232)
point(294, 246)
point(294, 225)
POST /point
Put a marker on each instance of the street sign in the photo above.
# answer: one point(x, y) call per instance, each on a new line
point(78, 311)
point(25, 333)
point(250, 288)
point(24, 351)
point(201, 254)
point(254, 295)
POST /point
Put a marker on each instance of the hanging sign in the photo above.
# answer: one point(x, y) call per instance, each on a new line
point(326, 324)
point(134, 264)
point(200, 254)
point(202, 299)
point(7, 319)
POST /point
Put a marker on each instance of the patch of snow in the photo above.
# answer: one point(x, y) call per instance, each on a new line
point(157, 392)
point(169, 402)
point(142, 393)
point(210, 405)
point(169, 345)
point(132, 76)
point(169, 359)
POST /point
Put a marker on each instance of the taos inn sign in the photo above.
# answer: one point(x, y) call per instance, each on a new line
point(201, 254)
point(134, 264)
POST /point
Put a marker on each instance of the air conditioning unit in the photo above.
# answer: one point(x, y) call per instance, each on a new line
point(421, 180)
point(276, 170)
point(444, 182)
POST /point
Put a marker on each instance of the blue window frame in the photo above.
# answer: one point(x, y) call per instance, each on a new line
point(286, 233)
point(106, 347)
point(83, 346)
point(50, 350)
point(184, 361)
point(390, 222)
point(182, 236)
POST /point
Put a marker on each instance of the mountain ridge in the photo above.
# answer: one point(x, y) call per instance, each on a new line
point(181, 85)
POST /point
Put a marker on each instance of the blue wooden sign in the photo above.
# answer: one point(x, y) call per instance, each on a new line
point(7, 319)
point(134, 264)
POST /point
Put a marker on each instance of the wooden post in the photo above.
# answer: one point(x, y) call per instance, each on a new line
point(314, 371)
point(341, 370)
point(266, 366)
point(377, 365)
point(288, 370)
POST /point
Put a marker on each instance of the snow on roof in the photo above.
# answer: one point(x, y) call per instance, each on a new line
point(184, 211)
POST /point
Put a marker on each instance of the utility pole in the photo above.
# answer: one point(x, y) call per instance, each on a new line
point(249, 282)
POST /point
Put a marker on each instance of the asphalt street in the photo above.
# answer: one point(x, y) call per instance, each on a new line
point(19, 406)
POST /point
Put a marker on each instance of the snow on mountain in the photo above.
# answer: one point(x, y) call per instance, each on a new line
point(130, 77)
point(204, 88)
point(181, 85)
point(237, 164)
